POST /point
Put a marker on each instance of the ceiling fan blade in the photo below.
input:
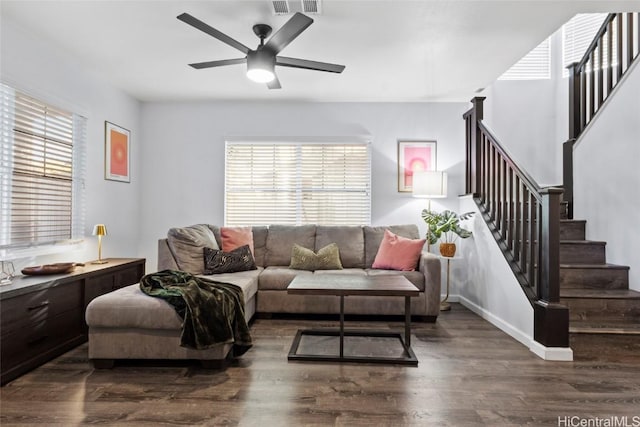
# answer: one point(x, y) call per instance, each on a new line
point(211, 64)
point(196, 23)
point(274, 84)
point(289, 31)
point(309, 65)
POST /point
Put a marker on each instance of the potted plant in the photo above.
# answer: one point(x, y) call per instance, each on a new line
point(446, 226)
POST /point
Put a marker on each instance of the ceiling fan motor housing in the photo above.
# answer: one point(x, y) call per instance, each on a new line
point(261, 59)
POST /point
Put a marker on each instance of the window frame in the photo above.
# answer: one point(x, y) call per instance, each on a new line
point(77, 140)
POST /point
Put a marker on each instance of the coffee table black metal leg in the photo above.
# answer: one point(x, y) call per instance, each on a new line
point(407, 321)
point(341, 326)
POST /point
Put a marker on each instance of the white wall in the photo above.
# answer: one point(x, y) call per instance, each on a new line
point(522, 116)
point(183, 154)
point(487, 285)
point(35, 66)
point(607, 177)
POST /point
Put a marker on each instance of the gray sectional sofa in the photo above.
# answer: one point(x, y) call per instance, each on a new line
point(129, 324)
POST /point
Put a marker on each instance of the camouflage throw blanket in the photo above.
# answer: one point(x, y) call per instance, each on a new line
point(212, 312)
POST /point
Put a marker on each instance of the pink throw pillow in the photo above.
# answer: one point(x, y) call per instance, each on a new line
point(235, 237)
point(398, 253)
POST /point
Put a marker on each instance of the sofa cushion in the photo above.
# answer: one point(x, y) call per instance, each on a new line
point(247, 280)
point(398, 253)
point(217, 261)
point(350, 241)
point(259, 243)
point(327, 258)
point(129, 307)
point(281, 238)
point(187, 245)
point(415, 277)
point(373, 237)
point(278, 278)
point(235, 237)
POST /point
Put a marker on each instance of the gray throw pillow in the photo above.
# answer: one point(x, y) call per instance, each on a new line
point(327, 258)
point(187, 244)
point(218, 262)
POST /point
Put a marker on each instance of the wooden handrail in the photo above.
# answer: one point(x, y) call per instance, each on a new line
point(525, 222)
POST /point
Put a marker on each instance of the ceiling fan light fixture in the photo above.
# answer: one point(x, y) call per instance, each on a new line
point(260, 75)
point(260, 66)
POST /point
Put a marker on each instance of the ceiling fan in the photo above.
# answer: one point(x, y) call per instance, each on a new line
point(261, 62)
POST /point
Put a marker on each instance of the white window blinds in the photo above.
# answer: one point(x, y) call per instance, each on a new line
point(42, 165)
point(536, 65)
point(297, 183)
point(577, 35)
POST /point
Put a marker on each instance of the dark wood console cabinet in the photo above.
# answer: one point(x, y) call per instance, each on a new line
point(42, 317)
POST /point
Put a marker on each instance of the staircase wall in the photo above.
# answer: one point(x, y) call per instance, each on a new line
point(607, 177)
point(483, 281)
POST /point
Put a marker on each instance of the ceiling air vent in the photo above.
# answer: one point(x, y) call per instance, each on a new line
point(311, 6)
point(288, 7)
point(280, 7)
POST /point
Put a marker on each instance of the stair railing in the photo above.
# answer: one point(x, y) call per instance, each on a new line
point(592, 80)
point(525, 222)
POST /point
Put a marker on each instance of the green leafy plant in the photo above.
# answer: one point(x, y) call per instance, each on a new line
point(445, 225)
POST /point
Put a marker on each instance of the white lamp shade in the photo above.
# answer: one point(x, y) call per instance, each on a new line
point(431, 184)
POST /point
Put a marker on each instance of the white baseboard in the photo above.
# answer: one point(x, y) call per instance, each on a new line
point(546, 353)
point(562, 354)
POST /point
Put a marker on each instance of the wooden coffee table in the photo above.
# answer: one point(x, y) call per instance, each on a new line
point(347, 285)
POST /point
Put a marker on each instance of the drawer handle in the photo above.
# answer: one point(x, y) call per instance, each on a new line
point(37, 306)
point(37, 340)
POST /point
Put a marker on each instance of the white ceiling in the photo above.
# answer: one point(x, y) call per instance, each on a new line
point(393, 50)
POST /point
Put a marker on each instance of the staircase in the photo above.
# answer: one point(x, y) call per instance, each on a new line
point(572, 289)
point(596, 293)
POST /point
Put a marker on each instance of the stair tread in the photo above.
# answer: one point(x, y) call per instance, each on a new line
point(596, 266)
point(604, 328)
point(583, 242)
point(600, 293)
point(583, 221)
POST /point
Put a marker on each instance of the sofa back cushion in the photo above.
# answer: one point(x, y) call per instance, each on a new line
point(187, 245)
point(280, 240)
point(259, 243)
point(373, 237)
point(350, 241)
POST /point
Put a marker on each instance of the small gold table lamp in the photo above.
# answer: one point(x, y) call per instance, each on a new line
point(99, 230)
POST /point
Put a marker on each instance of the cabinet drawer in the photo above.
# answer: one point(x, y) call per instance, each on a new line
point(98, 285)
point(128, 277)
point(37, 306)
point(35, 339)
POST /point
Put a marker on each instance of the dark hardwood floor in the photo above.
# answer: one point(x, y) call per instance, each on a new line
point(470, 373)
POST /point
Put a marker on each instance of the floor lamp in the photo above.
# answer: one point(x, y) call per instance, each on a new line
point(430, 185)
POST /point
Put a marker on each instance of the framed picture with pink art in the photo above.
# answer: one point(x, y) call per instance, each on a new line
point(117, 153)
point(414, 156)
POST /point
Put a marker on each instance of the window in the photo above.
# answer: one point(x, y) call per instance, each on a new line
point(577, 35)
point(536, 65)
point(297, 183)
point(42, 157)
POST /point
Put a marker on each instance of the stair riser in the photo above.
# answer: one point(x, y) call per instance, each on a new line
point(603, 310)
point(570, 230)
point(594, 278)
point(592, 253)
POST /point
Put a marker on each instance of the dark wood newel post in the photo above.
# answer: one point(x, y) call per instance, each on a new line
point(476, 115)
point(575, 126)
point(551, 319)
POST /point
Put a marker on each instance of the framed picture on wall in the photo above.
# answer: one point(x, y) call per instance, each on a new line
point(414, 156)
point(117, 155)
